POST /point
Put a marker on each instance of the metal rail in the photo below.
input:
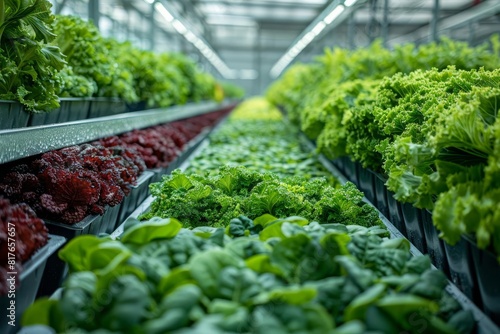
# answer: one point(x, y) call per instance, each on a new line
point(24, 142)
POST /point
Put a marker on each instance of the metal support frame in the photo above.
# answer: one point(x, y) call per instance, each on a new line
point(372, 23)
point(385, 23)
point(94, 12)
point(351, 30)
point(59, 6)
point(258, 60)
point(18, 143)
point(152, 27)
point(435, 21)
point(477, 13)
point(472, 32)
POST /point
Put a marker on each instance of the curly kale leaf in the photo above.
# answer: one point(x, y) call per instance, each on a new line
point(344, 205)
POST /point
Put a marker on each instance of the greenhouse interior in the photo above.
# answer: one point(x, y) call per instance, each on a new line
point(266, 166)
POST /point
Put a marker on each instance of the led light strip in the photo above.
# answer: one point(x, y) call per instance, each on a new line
point(205, 49)
point(329, 15)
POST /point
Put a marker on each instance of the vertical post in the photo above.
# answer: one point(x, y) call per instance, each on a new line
point(258, 60)
point(472, 32)
point(94, 12)
point(435, 20)
point(152, 27)
point(351, 30)
point(128, 32)
point(372, 21)
point(59, 6)
point(385, 23)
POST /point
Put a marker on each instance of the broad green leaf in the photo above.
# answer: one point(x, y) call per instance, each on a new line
point(151, 230)
point(177, 277)
point(77, 250)
point(44, 311)
point(205, 268)
point(264, 220)
point(293, 295)
point(100, 256)
point(401, 306)
point(357, 308)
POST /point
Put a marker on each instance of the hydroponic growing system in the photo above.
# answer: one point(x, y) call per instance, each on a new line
point(140, 195)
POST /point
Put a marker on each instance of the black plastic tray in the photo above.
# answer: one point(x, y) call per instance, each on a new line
point(395, 213)
point(12, 115)
point(89, 225)
point(33, 271)
point(413, 225)
point(137, 194)
point(462, 271)
point(435, 245)
point(136, 106)
point(103, 106)
point(57, 269)
point(110, 218)
point(366, 183)
point(380, 191)
point(351, 171)
point(487, 270)
point(71, 109)
point(339, 163)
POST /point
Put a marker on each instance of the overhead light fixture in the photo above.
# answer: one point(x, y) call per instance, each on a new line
point(349, 3)
point(164, 12)
point(248, 74)
point(334, 14)
point(191, 37)
point(320, 26)
point(231, 20)
point(171, 16)
point(327, 17)
point(181, 29)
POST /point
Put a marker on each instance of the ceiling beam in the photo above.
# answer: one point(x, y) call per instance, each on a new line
point(479, 12)
point(298, 5)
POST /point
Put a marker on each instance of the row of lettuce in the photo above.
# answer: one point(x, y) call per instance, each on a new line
point(256, 137)
point(232, 266)
point(44, 57)
point(425, 118)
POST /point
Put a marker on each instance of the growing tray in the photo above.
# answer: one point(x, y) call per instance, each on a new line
point(462, 270)
point(71, 109)
point(414, 227)
point(12, 115)
point(395, 212)
point(366, 182)
point(30, 278)
point(137, 194)
point(435, 245)
point(487, 270)
point(102, 106)
point(380, 190)
point(56, 268)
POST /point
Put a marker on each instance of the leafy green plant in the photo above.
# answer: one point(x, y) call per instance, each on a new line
point(29, 64)
point(92, 57)
point(288, 275)
point(235, 190)
point(255, 136)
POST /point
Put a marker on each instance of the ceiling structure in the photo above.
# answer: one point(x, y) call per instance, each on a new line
point(251, 42)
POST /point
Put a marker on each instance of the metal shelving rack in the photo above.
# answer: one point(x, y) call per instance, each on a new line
point(24, 142)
